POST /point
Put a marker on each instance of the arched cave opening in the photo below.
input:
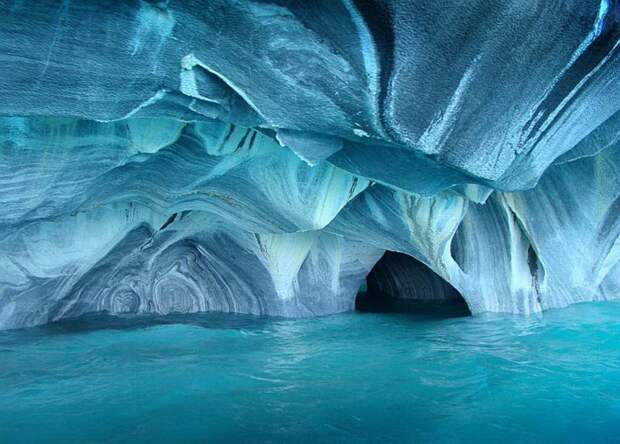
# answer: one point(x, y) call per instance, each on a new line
point(401, 284)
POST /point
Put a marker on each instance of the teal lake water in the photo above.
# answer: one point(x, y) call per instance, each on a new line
point(344, 378)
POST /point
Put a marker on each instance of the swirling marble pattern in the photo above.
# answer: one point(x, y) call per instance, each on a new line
point(128, 259)
point(259, 156)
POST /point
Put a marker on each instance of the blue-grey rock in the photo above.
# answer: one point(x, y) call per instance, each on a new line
point(259, 156)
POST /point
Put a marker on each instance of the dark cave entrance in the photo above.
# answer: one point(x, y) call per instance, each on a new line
point(401, 284)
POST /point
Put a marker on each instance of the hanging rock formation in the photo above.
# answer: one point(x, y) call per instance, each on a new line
point(260, 156)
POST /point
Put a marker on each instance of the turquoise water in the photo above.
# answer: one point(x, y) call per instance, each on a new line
point(344, 378)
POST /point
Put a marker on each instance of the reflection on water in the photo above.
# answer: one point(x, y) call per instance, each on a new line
point(344, 378)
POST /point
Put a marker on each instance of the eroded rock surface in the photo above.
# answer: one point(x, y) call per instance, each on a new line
point(260, 156)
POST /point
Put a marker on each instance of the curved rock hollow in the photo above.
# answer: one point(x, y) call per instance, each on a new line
point(260, 156)
point(400, 283)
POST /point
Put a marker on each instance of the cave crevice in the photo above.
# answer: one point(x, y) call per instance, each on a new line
point(399, 283)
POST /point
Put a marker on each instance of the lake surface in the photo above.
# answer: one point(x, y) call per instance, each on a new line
point(344, 378)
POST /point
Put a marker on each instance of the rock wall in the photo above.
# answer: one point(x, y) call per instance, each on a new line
point(260, 156)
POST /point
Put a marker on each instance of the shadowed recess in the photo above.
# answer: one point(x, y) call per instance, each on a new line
point(400, 283)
